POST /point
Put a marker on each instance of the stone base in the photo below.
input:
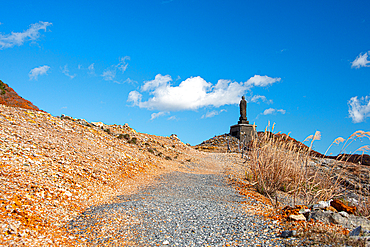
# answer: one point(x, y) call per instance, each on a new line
point(239, 130)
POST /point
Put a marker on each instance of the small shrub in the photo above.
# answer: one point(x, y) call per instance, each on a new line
point(150, 150)
point(133, 140)
point(120, 136)
point(173, 146)
point(168, 158)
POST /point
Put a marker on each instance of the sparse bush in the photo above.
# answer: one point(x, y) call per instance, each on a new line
point(2, 88)
point(168, 158)
point(133, 140)
point(150, 150)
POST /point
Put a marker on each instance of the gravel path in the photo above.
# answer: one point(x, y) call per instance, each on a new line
point(180, 209)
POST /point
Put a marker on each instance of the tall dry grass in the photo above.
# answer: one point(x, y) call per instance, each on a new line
point(279, 164)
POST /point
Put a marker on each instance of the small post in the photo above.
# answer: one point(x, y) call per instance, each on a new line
point(228, 143)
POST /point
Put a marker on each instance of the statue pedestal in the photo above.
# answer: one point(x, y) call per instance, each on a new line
point(239, 130)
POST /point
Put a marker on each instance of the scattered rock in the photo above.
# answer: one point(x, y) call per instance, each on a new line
point(355, 232)
point(344, 214)
point(356, 221)
point(323, 216)
point(174, 137)
point(321, 205)
point(166, 242)
point(344, 219)
point(98, 124)
point(297, 217)
point(340, 206)
point(330, 208)
point(288, 234)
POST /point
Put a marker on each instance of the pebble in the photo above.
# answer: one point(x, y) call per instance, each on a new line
point(185, 209)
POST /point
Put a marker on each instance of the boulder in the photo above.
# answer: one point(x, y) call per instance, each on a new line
point(318, 215)
point(344, 219)
point(340, 206)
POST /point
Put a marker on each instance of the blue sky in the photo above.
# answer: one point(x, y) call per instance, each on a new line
point(181, 66)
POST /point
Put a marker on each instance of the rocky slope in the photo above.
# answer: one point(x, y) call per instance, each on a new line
point(220, 143)
point(52, 168)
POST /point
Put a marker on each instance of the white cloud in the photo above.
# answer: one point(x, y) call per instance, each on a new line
point(122, 65)
point(31, 34)
point(65, 71)
point(172, 118)
point(34, 73)
point(91, 69)
point(359, 109)
point(361, 61)
point(256, 98)
point(194, 92)
point(110, 73)
point(134, 97)
point(128, 80)
point(159, 114)
point(261, 81)
point(273, 111)
point(212, 113)
point(158, 81)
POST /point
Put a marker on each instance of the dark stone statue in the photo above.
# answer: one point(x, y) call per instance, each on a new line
point(243, 112)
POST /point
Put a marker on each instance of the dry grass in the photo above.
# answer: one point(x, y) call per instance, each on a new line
point(278, 164)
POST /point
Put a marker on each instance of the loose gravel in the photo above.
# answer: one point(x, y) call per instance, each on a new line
point(179, 209)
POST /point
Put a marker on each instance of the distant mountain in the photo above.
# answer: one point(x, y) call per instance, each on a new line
point(9, 97)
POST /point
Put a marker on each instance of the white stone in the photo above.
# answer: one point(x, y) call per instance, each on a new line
point(322, 205)
point(344, 214)
point(297, 217)
point(165, 242)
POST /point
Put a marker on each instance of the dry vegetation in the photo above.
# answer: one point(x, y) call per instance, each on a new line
point(276, 163)
point(9, 97)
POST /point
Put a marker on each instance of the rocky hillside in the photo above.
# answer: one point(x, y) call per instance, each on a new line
point(10, 98)
point(52, 168)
